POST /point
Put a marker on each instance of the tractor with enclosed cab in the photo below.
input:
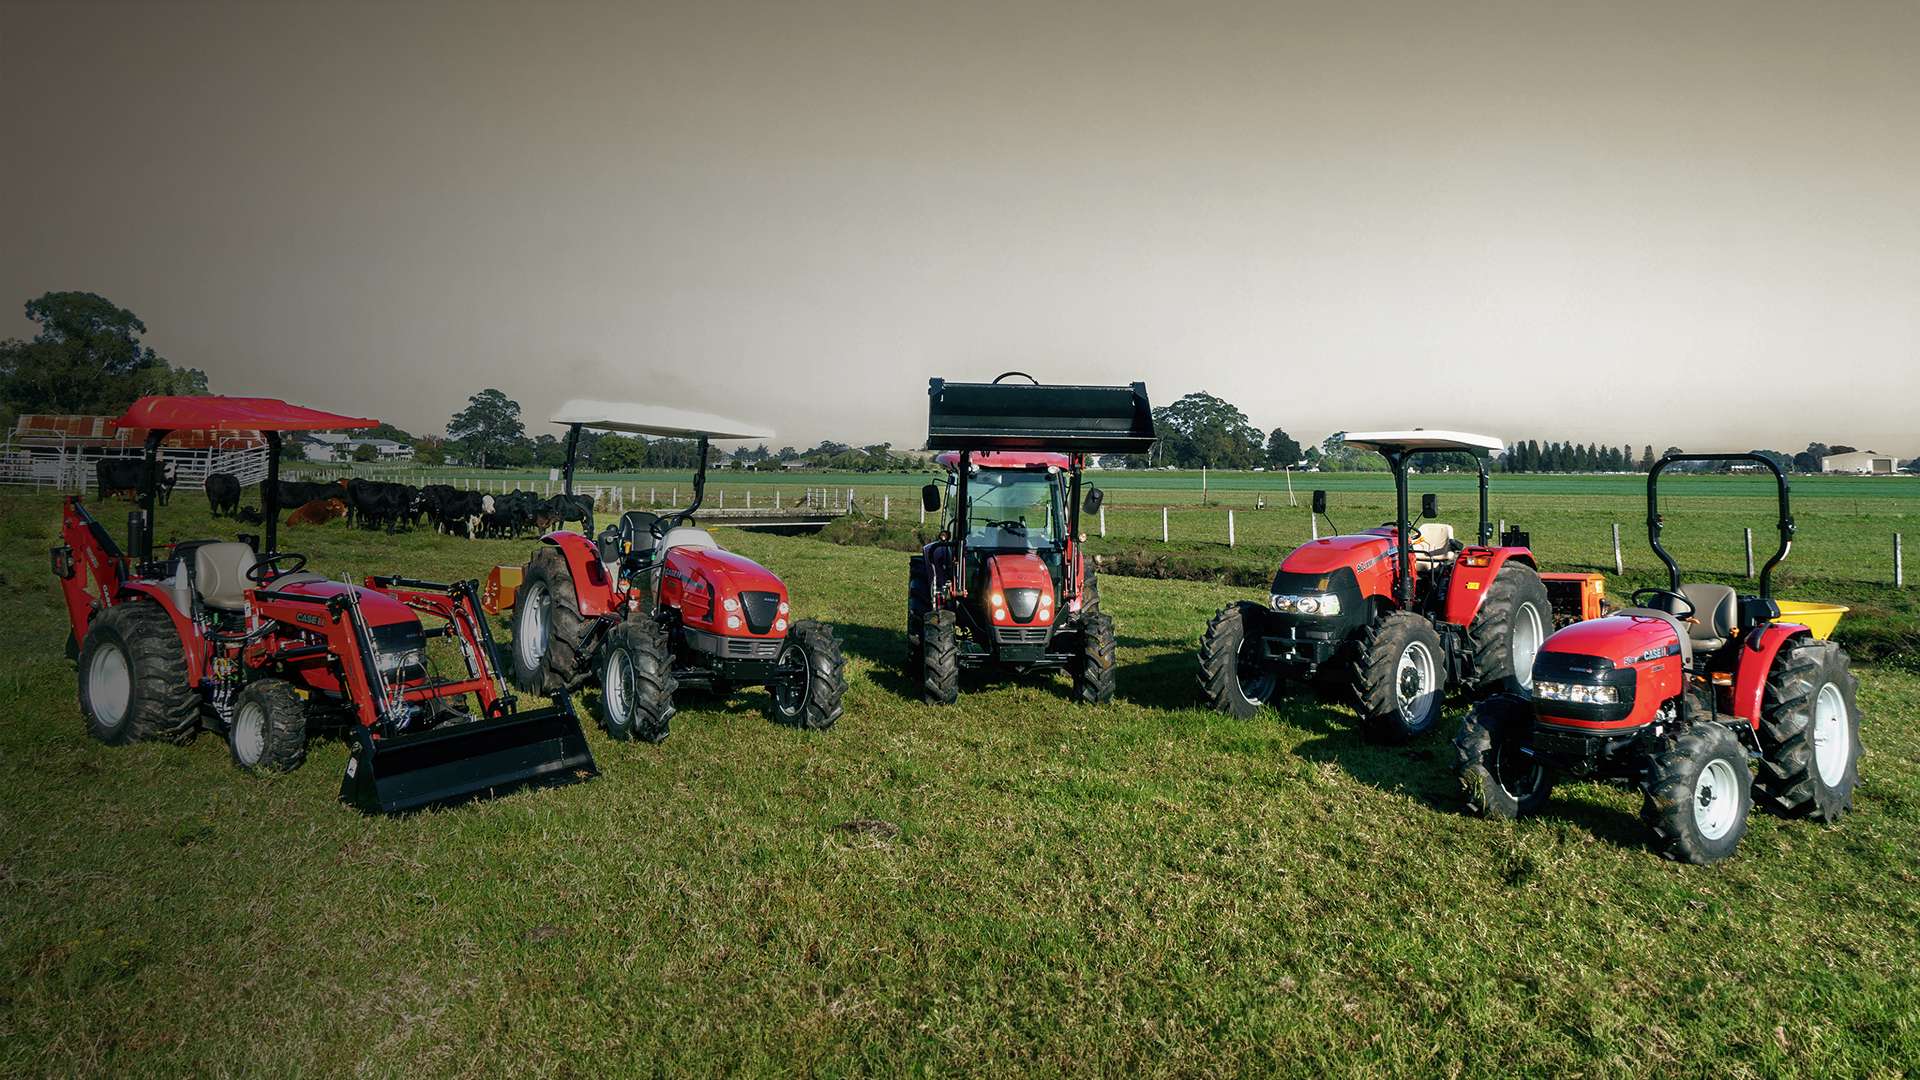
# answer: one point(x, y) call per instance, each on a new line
point(1390, 618)
point(1006, 584)
point(654, 604)
point(237, 636)
point(1685, 694)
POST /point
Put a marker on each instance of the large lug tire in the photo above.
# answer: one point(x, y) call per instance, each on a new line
point(133, 678)
point(1699, 792)
point(1499, 778)
point(1508, 630)
point(269, 729)
point(919, 602)
point(548, 627)
point(1230, 681)
point(939, 659)
point(636, 681)
point(1093, 667)
point(1809, 732)
point(810, 678)
point(1397, 678)
point(1090, 591)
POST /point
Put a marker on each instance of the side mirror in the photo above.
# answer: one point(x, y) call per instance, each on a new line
point(1091, 504)
point(1319, 501)
point(930, 498)
point(1429, 505)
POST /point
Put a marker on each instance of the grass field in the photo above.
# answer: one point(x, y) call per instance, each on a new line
point(1141, 887)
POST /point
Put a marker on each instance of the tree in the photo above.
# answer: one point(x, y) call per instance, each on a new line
point(85, 358)
point(364, 452)
point(1646, 459)
point(487, 427)
point(1202, 430)
point(1282, 451)
point(619, 453)
point(1842, 448)
point(428, 450)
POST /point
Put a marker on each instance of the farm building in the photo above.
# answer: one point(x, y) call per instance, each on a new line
point(59, 451)
point(333, 446)
point(1861, 461)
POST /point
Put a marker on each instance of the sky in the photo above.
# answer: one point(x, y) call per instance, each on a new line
point(1692, 224)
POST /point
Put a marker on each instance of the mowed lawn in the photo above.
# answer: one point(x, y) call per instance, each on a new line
point(1141, 887)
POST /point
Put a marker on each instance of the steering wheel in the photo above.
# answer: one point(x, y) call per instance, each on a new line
point(1008, 525)
point(1670, 594)
point(269, 567)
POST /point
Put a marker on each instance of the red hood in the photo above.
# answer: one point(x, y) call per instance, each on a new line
point(729, 573)
point(1021, 571)
point(378, 608)
point(1334, 552)
point(1622, 639)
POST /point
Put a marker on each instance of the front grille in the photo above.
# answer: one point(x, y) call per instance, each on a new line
point(1020, 635)
point(760, 608)
point(749, 648)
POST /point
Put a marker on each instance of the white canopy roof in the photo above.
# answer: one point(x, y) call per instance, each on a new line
point(655, 420)
point(1423, 440)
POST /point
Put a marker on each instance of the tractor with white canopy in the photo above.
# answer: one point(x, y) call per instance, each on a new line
point(653, 604)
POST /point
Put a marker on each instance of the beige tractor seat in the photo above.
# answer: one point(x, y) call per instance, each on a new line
point(220, 574)
point(685, 536)
point(1432, 542)
point(1715, 615)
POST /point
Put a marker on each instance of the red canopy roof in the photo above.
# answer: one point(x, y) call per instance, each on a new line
point(213, 411)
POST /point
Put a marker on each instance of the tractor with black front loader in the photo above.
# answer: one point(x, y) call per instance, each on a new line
point(1685, 694)
point(1388, 619)
point(1007, 584)
point(654, 605)
point(235, 635)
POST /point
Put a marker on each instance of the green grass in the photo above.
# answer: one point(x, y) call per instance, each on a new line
point(1142, 887)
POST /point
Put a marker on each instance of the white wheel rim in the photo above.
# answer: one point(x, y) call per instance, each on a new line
point(1255, 683)
point(109, 684)
point(249, 734)
point(1517, 782)
point(616, 686)
point(1524, 644)
point(1716, 799)
point(530, 637)
point(1414, 682)
point(1832, 738)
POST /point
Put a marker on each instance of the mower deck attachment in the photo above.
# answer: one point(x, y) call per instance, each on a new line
point(461, 761)
point(1034, 416)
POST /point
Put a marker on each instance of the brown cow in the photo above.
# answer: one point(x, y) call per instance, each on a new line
point(318, 512)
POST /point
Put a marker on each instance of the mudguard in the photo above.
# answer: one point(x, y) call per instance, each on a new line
point(591, 586)
point(1757, 653)
point(1473, 571)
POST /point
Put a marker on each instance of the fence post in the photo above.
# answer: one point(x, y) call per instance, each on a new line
point(1899, 565)
point(1503, 527)
point(723, 498)
point(749, 498)
point(1229, 527)
point(886, 507)
point(776, 498)
point(1103, 522)
point(1314, 519)
point(923, 513)
point(1619, 567)
point(1163, 524)
point(653, 496)
point(676, 496)
point(1749, 535)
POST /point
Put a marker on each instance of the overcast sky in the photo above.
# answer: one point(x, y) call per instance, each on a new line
point(1695, 224)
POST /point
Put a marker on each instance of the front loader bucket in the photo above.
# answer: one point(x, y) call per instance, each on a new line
point(461, 761)
point(1019, 416)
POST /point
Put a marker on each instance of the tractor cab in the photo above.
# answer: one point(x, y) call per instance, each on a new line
point(1016, 513)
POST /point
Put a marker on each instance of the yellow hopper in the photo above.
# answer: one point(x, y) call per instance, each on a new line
point(1819, 618)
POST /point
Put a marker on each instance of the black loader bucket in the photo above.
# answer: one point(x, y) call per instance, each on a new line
point(456, 762)
point(1024, 416)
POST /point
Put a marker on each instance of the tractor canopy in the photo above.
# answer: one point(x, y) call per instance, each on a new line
point(1423, 442)
point(1038, 416)
point(216, 412)
point(655, 420)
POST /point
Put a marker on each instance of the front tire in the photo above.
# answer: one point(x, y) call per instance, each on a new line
point(939, 659)
point(1500, 780)
point(1093, 668)
point(1230, 681)
point(636, 682)
point(133, 678)
point(1699, 792)
point(810, 678)
point(1508, 630)
point(1810, 732)
point(269, 729)
point(1398, 679)
point(548, 627)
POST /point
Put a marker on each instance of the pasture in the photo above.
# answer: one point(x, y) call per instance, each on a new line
point(1013, 883)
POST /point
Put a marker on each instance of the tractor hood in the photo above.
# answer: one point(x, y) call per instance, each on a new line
point(1024, 584)
point(1622, 639)
point(1334, 552)
point(731, 574)
point(378, 608)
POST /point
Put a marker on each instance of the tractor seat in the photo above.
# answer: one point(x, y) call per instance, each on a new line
point(636, 530)
point(1715, 615)
point(686, 536)
point(220, 574)
point(1432, 542)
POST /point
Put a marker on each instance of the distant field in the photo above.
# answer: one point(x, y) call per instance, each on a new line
point(1141, 888)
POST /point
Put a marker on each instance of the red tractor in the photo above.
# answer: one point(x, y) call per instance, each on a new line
point(1391, 617)
point(1682, 694)
point(654, 605)
point(236, 635)
point(1006, 584)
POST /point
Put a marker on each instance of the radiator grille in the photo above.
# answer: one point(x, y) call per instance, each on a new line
point(750, 648)
point(1020, 635)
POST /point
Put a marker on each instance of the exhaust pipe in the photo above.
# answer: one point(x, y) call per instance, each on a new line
point(457, 762)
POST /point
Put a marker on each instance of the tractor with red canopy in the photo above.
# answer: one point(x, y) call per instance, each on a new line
point(1007, 584)
point(237, 636)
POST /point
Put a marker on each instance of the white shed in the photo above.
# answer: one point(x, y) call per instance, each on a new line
point(1861, 461)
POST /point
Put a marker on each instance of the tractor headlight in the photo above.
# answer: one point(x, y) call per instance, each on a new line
point(730, 604)
point(1324, 604)
point(1576, 693)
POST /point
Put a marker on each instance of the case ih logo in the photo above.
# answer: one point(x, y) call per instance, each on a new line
point(310, 620)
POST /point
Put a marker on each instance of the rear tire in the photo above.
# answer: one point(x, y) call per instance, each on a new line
point(269, 729)
point(939, 659)
point(636, 682)
point(1508, 630)
point(1699, 792)
point(1398, 678)
point(815, 704)
point(1810, 732)
point(1500, 781)
point(1090, 593)
point(1093, 669)
point(1229, 682)
point(548, 627)
point(133, 678)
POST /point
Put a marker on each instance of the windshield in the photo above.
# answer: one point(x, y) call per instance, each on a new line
point(1011, 508)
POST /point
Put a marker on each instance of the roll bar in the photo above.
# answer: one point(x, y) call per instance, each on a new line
point(1655, 522)
point(150, 479)
point(1397, 462)
point(699, 472)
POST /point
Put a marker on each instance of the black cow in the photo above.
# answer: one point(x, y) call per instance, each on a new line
point(223, 493)
point(512, 514)
point(116, 476)
point(561, 509)
point(293, 494)
point(462, 511)
point(169, 479)
point(375, 503)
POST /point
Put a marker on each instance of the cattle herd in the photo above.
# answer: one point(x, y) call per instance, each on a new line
point(379, 504)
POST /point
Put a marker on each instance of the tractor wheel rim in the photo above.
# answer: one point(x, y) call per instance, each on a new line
point(792, 679)
point(110, 684)
point(617, 688)
point(1518, 774)
point(1256, 680)
point(1716, 799)
point(1524, 645)
point(530, 637)
point(1414, 683)
point(1832, 741)
point(250, 734)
